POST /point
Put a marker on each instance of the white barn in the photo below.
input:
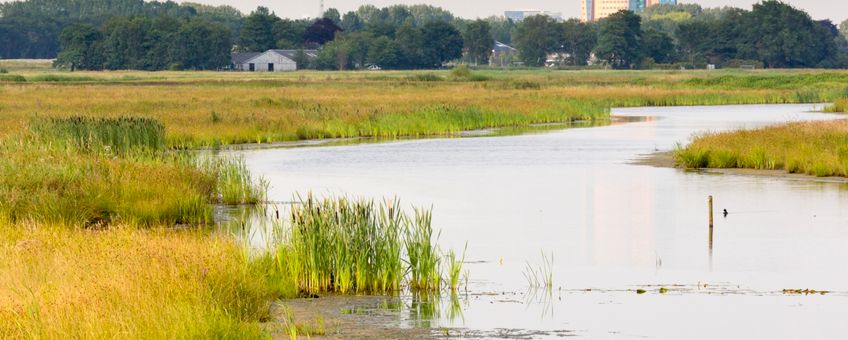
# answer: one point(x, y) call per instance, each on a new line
point(269, 61)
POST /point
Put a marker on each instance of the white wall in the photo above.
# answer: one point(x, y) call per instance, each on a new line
point(280, 62)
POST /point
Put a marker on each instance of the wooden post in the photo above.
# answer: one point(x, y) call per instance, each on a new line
point(711, 211)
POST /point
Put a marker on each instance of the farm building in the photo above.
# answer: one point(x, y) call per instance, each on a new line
point(271, 60)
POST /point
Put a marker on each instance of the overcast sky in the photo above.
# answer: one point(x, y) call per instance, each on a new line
point(836, 10)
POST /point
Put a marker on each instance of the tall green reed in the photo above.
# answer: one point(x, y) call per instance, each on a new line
point(357, 246)
point(121, 136)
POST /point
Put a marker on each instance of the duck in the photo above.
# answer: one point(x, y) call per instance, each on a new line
point(725, 213)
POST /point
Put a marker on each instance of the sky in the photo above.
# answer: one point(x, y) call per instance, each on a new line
point(836, 10)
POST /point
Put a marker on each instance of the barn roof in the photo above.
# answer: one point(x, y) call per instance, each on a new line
point(243, 57)
point(292, 54)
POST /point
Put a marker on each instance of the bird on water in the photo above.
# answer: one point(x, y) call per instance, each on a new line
point(725, 212)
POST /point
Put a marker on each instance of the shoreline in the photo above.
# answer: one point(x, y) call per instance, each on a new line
point(665, 159)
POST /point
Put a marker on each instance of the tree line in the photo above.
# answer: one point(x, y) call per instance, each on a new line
point(134, 34)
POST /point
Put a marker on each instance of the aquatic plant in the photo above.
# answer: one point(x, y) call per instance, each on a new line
point(540, 276)
point(356, 246)
point(234, 182)
point(455, 268)
point(120, 136)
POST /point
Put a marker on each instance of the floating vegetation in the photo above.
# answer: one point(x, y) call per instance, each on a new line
point(805, 292)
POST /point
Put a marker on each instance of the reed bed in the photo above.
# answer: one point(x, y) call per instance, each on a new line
point(235, 184)
point(121, 136)
point(345, 246)
point(838, 106)
point(812, 148)
point(95, 172)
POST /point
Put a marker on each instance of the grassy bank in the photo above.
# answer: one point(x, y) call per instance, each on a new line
point(209, 108)
point(812, 148)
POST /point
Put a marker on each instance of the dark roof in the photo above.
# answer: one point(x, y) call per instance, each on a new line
point(291, 54)
point(241, 58)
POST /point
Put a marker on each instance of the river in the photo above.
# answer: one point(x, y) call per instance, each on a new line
point(612, 227)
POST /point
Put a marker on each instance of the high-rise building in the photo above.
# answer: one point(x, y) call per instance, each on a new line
point(593, 10)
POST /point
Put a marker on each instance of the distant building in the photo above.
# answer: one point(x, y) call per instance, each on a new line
point(270, 61)
point(520, 15)
point(503, 55)
point(594, 10)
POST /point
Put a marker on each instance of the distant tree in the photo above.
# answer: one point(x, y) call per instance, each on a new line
point(257, 32)
point(385, 53)
point(227, 16)
point(441, 42)
point(694, 39)
point(782, 36)
point(658, 46)
point(843, 28)
point(478, 41)
point(619, 40)
point(410, 41)
point(201, 45)
point(578, 40)
point(351, 22)
point(537, 36)
point(79, 48)
point(289, 33)
point(320, 32)
point(334, 15)
point(501, 28)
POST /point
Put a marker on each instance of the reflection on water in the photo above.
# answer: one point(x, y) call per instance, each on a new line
point(614, 227)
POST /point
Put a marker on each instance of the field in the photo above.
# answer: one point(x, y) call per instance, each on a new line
point(106, 212)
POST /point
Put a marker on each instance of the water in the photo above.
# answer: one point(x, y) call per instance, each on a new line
point(611, 226)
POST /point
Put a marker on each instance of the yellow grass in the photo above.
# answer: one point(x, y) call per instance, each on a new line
point(60, 283)
point(813, 148)
point(209, 108)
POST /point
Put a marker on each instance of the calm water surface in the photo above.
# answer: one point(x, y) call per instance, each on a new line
point(612, 227)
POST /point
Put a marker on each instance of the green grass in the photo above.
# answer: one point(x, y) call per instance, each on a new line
point(813, 148)
point(121, 136)
point(348, 246)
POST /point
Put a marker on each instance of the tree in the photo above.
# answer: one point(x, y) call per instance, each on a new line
point(351, 22)
point(441, 42)
point(501, 29)
point(320, 32)
point(843, 28)
point(385, 52)
point(334, 15)
point(657, 46)
point(78, 47)
point(201, 45)
point(478, 41)
point(619, 40)
point(537, 36)
point(578, 40)
point(257, 32)
point(289, 33)
point(782, 36)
